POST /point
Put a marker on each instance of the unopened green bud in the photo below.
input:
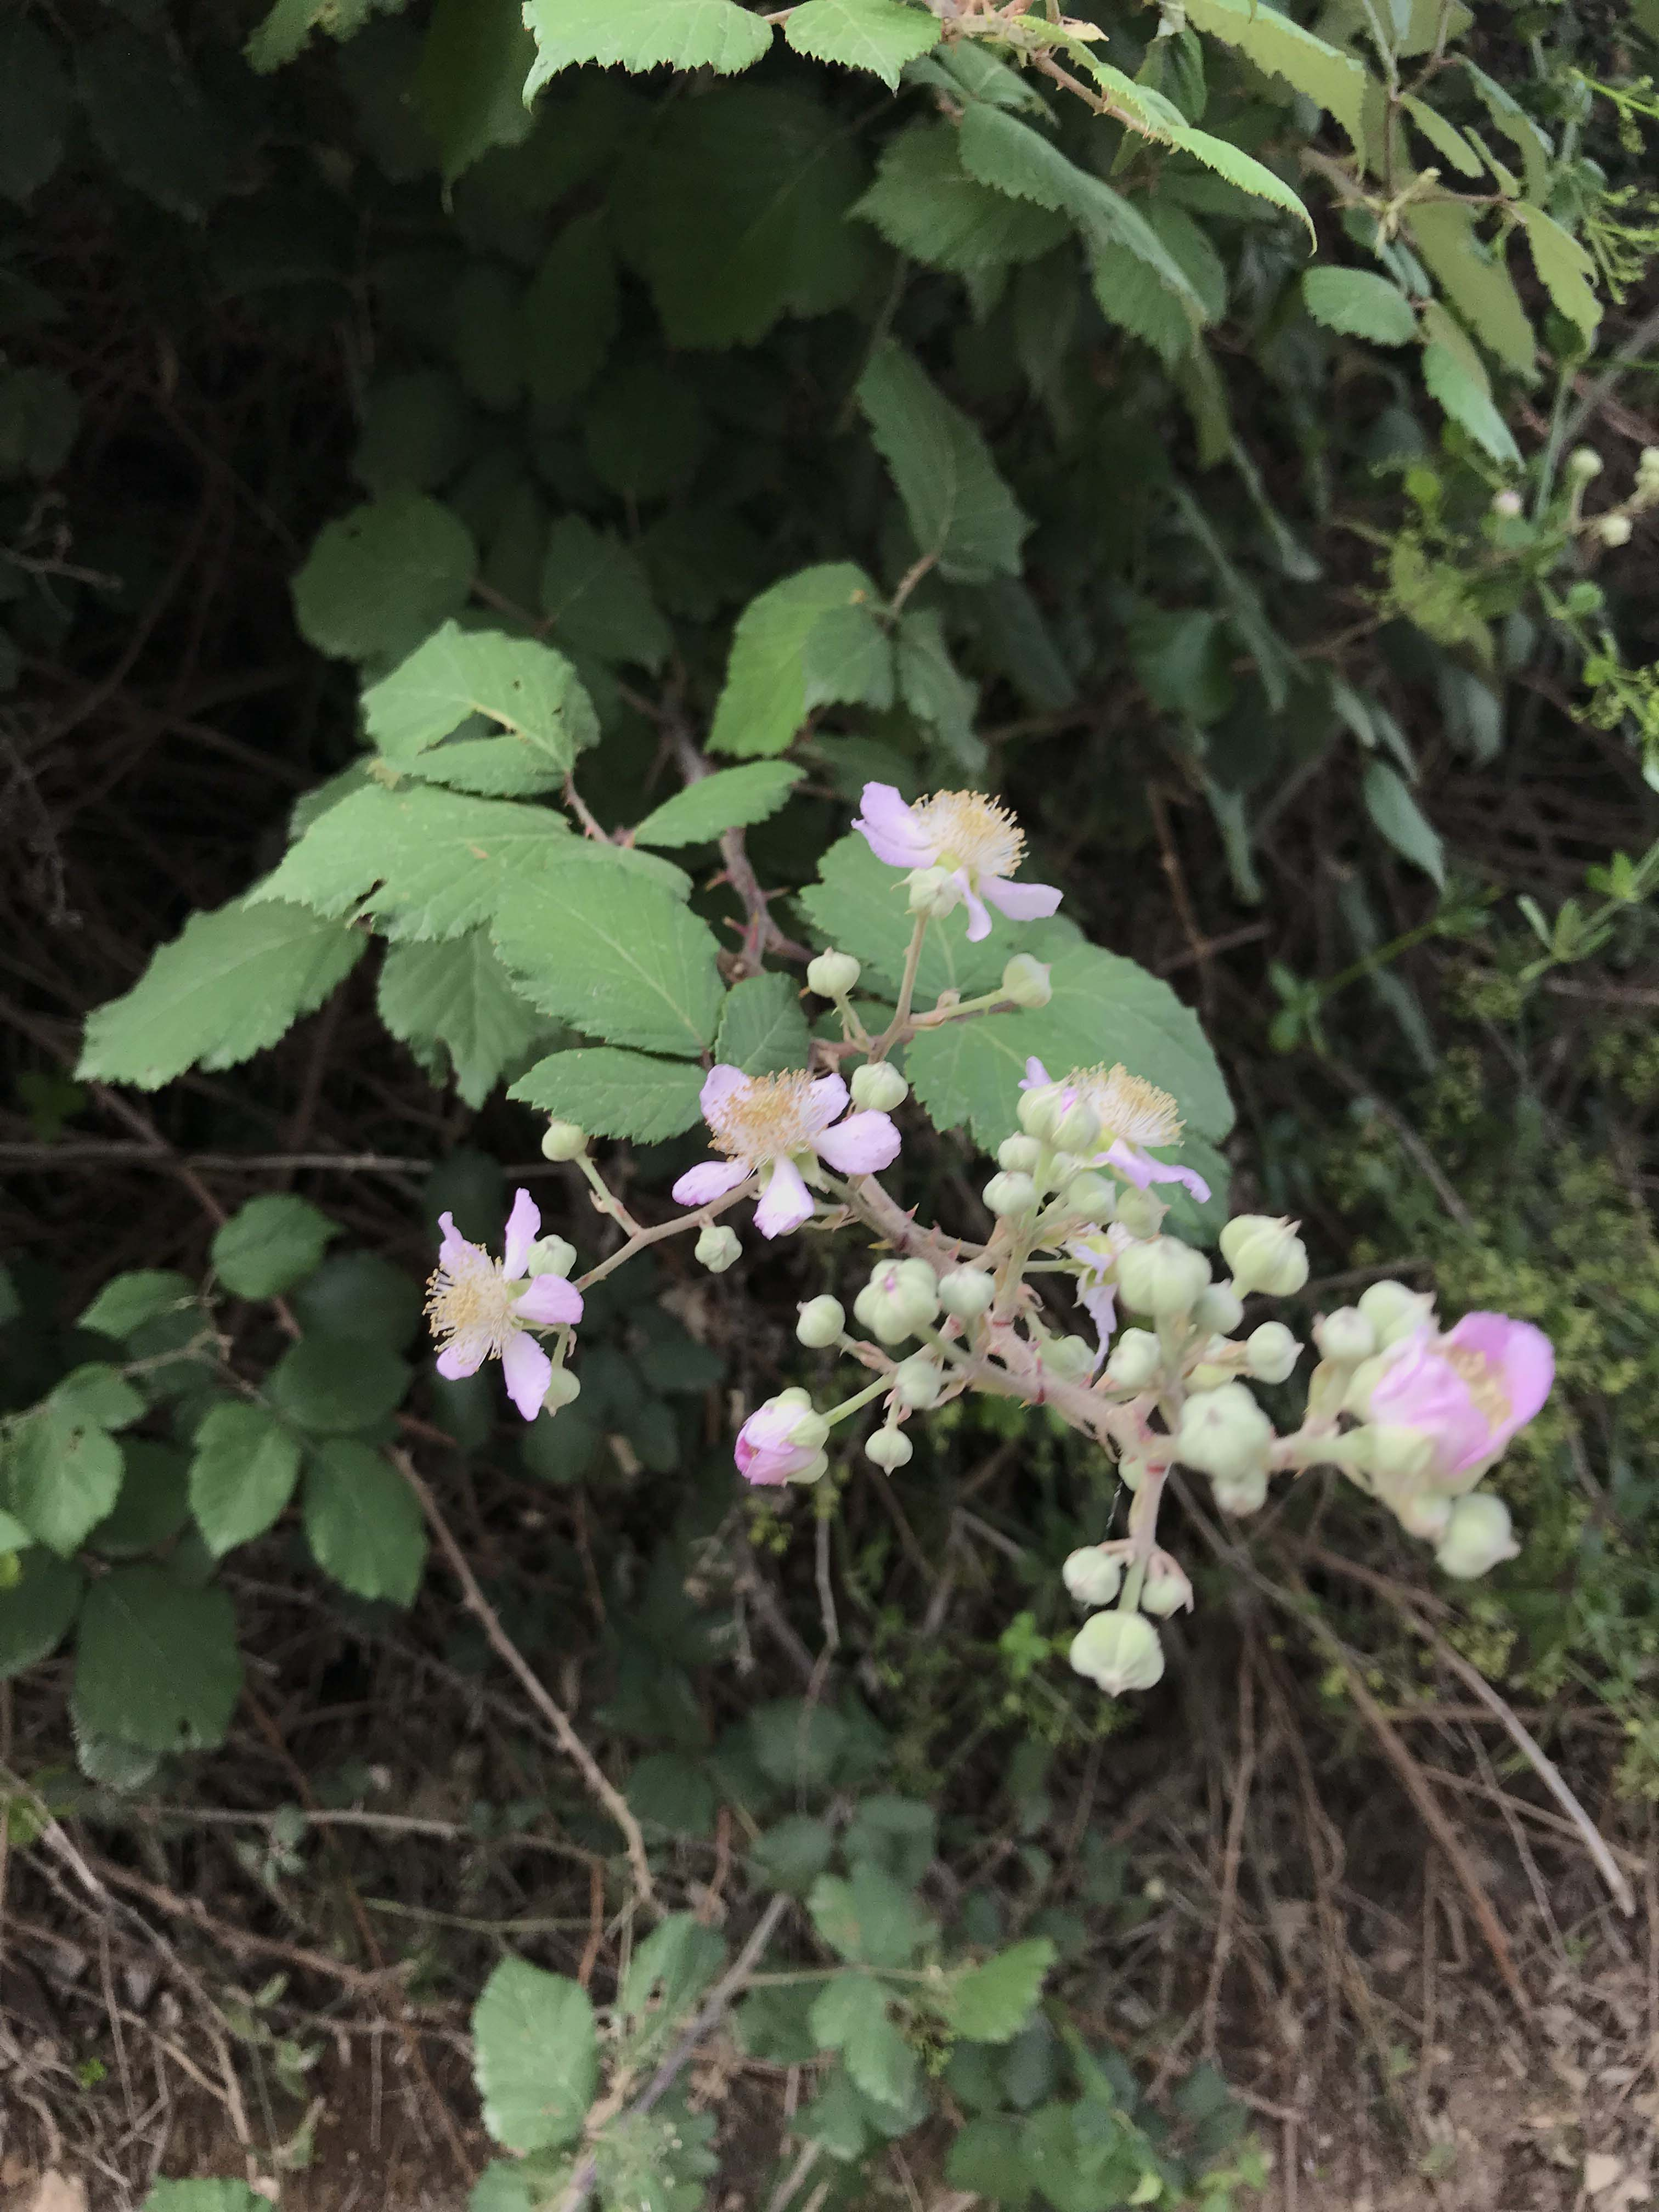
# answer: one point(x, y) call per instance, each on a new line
point(1271, 1353)
point(1585, 463)
point(1020, 1155)
point(1344, 1337)
point(1166, 1588)
point(1139, 1212)
point(1092, 1196)
point(1040, 1110)
point(1425, 1513)
point(1025, 980)
point(900, 1299)
point(1163, 1277)
point(833, 974)
point(1265, 1254)
point(1136, 1361)
point(718, 1247)
point(1240, 1495)
point(1394, 1312)
point(1068, 1357)
point(1219, 1309)
point(1092, 1576)
point(934, 892)
point(1078, 1129)
point(1397, 1455)
point(1224, 1434)
point(878, 1087)
point(917, 1381)
point(1120, 1651)
point(1477, 1537)
point(563, 1389)
point(1614, 530)
point(550, 1255)
point(1007, 1194)
point(820, 1323)
point(563, 1140)
point(890, 1449)
point(967, 1292)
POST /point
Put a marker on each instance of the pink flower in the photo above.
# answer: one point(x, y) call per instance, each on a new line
point(1134, 1114)
point(1470, 1390)
point(781, 1442)
point(480, 1308)
point(1096, 1287)
point(776, 1126)
point(978, 842)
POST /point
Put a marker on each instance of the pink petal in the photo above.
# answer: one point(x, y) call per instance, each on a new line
point(1522, 1355)
point(524, 1227)
point(1021, 902)
point(710, 1179)
point(826, 1098)
point(464, 1355)
point(978, 919)
point(1140, 1169)
point(718, 1086)
point(454, 1252)
point(528, 1371)
point(1035, 1075)
point(1100, 1305)
point(861, 1144)
point(550, 1303)
point(888, 828)
point(787, 1201)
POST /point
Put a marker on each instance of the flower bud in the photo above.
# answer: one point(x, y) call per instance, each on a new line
point(1163, 1277)
point(890, 1449)
point(934, 892)
point(917, 1381)
point(967, 1292)
point(1092, 1575)
point(1477, 1537)
point(1394, 1312)
point(563, 1140)
point(1166, 1588)
point(1344, 1337)
point(1025, 980)
point(718, 1247)
point(878, 1087)
point(1271, 1353)
point(1068, 1357)
point(1040, 1108)
point(1078, 1129)
point(1239, 1495)
point(550, 1255)
point(899, 1300)
point(832, 975)
point(1007, 1193)
point(1647, 467)
point(1225, 1433)
point(1396, 1456)
point(1137, 1359)
point(1585, 463)
point(563, 1389)
point(1425, 1513)
point(1020, 1155)
point(1614, 530)
point(1219, 1309)
point(820, 1323)
point(1508, 505)
point(1120, 1651)
point(1092, 1196)
point(1140, 1213)
point(1264, 1254)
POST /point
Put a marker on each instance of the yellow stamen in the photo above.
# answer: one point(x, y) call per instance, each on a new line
point(971, 831)
point(766, 1120)
point(1481, 1380)
point(476, 1299)
point(1127, 1106)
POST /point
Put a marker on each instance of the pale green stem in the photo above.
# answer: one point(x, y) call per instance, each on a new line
point(885, 1043)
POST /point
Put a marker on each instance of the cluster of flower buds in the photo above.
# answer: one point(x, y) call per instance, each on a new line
point(1159, 1375)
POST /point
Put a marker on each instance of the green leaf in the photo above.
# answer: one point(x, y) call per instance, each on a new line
point(961, 512)
point(36, 1610)
point(331, 1387)
point(672, 1791)
point(360, 1296)
point(898, 1834)
point(1359, 304)
point(469, 82)
point(848, 657)
point(763, 702)
point(872, 1920)
point(1516, 125)
point(379, 579)
point(363, 1523)
point(1565, 268)
point(157, 1663)
point(850, 2015)
point(205, 2195)
point(1275, 42)
point(990, 2003)
point(531, 691)
point(926, 204)
point(504, 2186)
point(242, 1474)
point(35, 99)
point(617, 958)
point(127, 1302)
point(268, 1244)
point(793, 1854)
point(65, 1474)
point(670, 1970)
point(535, 2055)
point(489, 767)
point(935, 690)
point(40, 418)
point(730, 799)
point(154, 1504)
point(286, 31)
point(986, 2158)
point(570, 313)
point(226, 988)
point(643, 34)
point(763, 1027)
point(150, 122)
point(1389, 803)
point(596, 595)
point(1447, 140)
point(1468, 399)
point(877, 35)
point(797, 1745)
point(456, 995)
point(614, 1094)
point(1473, 279)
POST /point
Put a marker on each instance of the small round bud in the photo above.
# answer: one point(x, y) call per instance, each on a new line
point(1425, 1513)
point(1264, 1254)
point(1508, 505)
point(1092, 1196)
point(550, 1255)
point(934, 892)
point(1078, 1129)
point(718, 1247)
point(1025, 980)
point(917, 1381)
point(563, 1140)
point(1219, 1309)
point(820, 1323)
point(1163, 1277)
point(1344, 1337)
point(1271, 1353)
point(1614, 530)
point(1136, 1361)
point(1585, 463)
point(900, 1299)
point(563, 1389)
point(889, 1448)
point(1120, 1651)
point(1477, 1537)
point(1092, 1576)
point(1394, 1312)
point(1068, 1357)
point(1007, 1194)
point(878, 1087)
point(967, 1292)
point(1647, 463)
point(1240, 1495)
point(1020, 1155)
point(1224, 1434)
point(1040, 1110)
point(1166, 1588)
point(833, 974)
point(1139, 1212)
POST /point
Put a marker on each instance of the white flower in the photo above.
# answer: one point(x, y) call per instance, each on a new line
point(480, 1308)
point(1133, 1114)
point(977, 844)
point(775, 1125)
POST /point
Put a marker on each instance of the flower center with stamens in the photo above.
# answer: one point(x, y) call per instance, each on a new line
point(476, 1299)
point(766, 1119)
point(1481, 1380)
point(1129, 1106)
point(970, 831)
